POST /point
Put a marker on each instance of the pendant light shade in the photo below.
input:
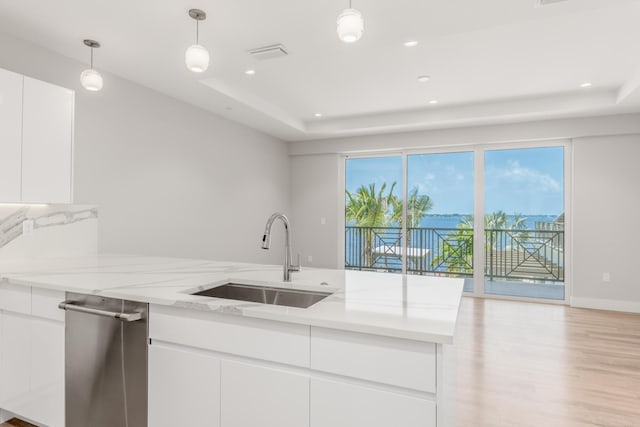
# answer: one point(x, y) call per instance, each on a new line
point(91, 79)
point(350, 25)
point(197, 56)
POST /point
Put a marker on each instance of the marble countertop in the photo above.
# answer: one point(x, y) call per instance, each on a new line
point(404, 306)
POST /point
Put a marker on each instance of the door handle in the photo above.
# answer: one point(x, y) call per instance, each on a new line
point(124, 317)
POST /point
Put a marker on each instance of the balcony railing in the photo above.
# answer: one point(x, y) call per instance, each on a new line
point(509, 254)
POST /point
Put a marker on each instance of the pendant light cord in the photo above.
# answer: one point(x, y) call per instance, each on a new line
point(92, 58)
point(197, 31)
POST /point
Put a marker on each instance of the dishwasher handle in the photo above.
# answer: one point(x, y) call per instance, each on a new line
point(124, 317)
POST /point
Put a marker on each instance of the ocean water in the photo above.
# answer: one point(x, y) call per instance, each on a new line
point(452, 221)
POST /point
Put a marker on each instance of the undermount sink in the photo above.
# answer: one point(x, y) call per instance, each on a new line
point(265, 295)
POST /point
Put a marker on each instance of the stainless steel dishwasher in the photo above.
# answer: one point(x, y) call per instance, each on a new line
point(105, 361)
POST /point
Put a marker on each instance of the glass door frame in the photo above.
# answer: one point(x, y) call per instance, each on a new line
point(479, 255)
point(479, 151)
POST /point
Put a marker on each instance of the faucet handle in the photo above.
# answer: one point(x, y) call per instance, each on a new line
point(298, 266)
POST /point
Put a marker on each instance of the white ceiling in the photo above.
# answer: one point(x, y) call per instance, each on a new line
point(490, 61)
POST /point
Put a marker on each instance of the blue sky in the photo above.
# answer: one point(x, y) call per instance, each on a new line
point(527, 181)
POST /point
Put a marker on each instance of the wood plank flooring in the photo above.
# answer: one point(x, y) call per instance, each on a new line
point(14, 422)
point(524, 364)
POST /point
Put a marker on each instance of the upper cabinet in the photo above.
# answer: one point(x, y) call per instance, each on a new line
point(10, 135)
point(47, 142)
point(36, 145)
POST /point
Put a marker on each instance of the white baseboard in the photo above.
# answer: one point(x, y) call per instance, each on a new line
point(606, 304)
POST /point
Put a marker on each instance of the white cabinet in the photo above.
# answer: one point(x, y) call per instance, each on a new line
point(341, 404)
point(213, 369)
point(32, 354)
point(15, 311)
point(10, 135)
point(210, 369)
point(36, 140)
point(14, 362)
point(184, 388)
point(47, 142)
point(254, 395)
point(368, 380)
point(195, 387)
point(384, 360)
point(46, 372)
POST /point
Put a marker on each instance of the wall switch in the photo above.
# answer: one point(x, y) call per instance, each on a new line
point(323, 221)
point(606, 277)
point(27, 227)
point(309, 258)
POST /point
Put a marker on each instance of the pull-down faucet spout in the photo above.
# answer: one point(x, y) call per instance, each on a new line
point(266, 242)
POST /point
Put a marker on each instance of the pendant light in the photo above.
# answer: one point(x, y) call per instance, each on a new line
point(350, 25)
point(197, 57)
point(91, 79)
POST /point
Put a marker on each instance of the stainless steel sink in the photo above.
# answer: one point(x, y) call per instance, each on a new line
point(265, 295)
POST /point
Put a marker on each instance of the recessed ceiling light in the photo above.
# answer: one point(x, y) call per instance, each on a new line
point(586, 85)
point(318, 114)
point(250, 72)
point(411, 43)
point(433, 101)
point(424, 79)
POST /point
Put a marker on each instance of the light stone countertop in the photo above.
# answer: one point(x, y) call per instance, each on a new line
point(413, 307)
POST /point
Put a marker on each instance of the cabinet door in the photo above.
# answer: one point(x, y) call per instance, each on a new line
point(10, 135)
point(258, 396)
point(14, 368)
point(46, 397)
point(47, 142)
point(184, 388)
point(337, 404)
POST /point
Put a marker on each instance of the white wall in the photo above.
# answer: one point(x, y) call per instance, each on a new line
point(315, 187)
point(605, 179)
point(169, 178)
point(605, 222)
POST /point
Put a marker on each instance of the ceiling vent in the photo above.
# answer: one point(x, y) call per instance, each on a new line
point(547, 2)
point(269, 52)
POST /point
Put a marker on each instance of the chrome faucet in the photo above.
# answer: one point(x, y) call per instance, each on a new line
point(266, 242)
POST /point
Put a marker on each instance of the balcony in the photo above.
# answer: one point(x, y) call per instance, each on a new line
point(534, 256)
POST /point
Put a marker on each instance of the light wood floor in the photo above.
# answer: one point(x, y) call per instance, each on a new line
point(524, 364)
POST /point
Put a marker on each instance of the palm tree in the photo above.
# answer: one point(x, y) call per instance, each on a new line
point(368, 208)
point(418, 205)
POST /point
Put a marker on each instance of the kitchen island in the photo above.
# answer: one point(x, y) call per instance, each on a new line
point(370, 354)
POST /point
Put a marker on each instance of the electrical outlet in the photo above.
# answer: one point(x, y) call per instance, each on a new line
point(27, 227)
point(606, 277)
point(309, 258)
point(323, 221)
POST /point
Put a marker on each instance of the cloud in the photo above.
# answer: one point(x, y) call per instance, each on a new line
point(531, 178)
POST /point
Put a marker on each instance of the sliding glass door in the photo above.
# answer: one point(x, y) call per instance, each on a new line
point(524, 222)
point(493, 217)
